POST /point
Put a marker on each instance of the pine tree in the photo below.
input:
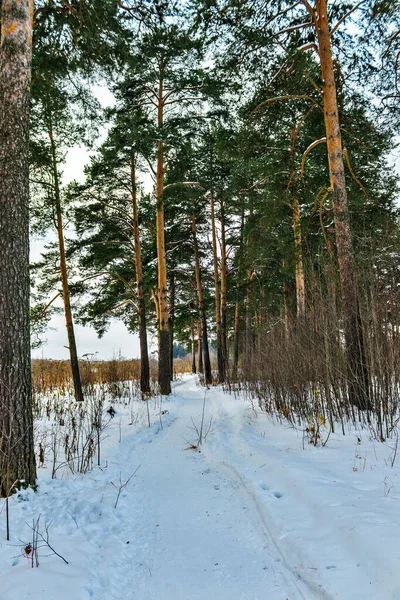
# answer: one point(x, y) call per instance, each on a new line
point(113, 250)
point(68, 48)
point(164, 79)
point(284, 20)
point(57, 121)
point(17, 457)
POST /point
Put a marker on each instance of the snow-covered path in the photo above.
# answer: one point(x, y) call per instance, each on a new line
point(251, 516)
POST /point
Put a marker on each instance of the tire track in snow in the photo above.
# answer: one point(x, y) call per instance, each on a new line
point(258, 510)
point(314, 588)
point(204, 534)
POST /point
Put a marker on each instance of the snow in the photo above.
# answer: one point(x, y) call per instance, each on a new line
point(252, 514)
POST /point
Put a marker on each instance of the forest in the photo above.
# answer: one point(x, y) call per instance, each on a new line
point(239, 214)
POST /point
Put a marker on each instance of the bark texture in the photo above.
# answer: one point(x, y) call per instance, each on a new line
point(220, 354)
point(171, 320)
point(298, 244)
point(249, 337)
point(200, 348)
point(358, 377)
point(164, 363)
point(298, 247)
point(224, 331)
point(194, 370)
point(202, 310)
point(17, 458)
point(238, 300)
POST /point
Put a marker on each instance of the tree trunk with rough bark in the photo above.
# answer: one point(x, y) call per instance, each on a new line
point(298, 244)
point(220, 354)
point(164, 363)
point(66, 296)
point(194, 369)
point(141, 304)
point(357, 376)
point(224, 332)
point(17, 457)
point(171, 320)
point(200, 348)
point(249, 337)
point(298, 248)
point(200, 296)
point(238, 300)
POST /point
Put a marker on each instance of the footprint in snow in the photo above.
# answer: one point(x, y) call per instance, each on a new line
point(264, 486)
point(277, 494)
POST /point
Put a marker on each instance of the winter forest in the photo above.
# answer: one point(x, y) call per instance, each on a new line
point(239, 215)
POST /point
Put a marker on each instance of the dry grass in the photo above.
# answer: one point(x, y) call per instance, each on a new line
point(50, 375)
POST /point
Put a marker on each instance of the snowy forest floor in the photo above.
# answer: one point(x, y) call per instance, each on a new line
point(253, 514)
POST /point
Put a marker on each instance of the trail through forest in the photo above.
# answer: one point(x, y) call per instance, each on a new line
point(248, 515)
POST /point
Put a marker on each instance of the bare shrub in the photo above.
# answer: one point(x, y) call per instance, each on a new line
point(297, 369)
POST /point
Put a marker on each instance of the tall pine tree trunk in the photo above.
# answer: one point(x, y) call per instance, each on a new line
point(194, 369)
point(202, 310)
point(144, 352)
point(200, 347)
point(17, 457)
point(298, 244)
point(171, 319)
point(224, 332)
point(73, 353)
point(298, 247)
point(249, 336)
point(238, 300)
point(164, 363)
point(357, 375)
point(220, 354)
